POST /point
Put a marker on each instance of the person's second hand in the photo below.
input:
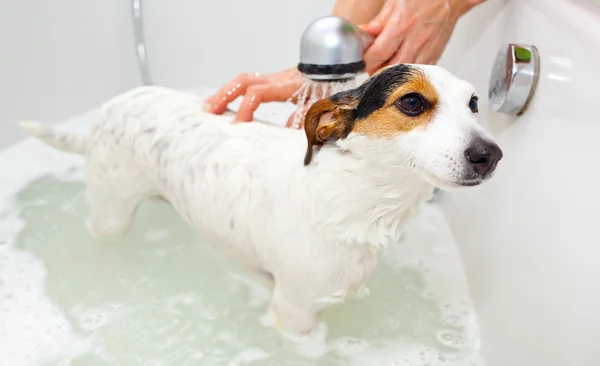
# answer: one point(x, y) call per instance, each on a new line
point(256, 89)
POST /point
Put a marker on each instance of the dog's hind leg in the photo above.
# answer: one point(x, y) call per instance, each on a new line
point(114, 191)
point(290, 315)
point(111, 217)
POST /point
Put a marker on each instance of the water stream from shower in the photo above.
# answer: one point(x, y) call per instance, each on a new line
point(312, 91)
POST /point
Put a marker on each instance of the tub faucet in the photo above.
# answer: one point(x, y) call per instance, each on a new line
point(332, 49)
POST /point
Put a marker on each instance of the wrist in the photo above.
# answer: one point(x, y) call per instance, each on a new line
point(357, 11)
point(463, 6)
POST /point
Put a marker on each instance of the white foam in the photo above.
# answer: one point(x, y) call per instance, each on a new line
point(259, 294)
point(32, 329)
point(249, 355)
point(428, 244)
point(156, 235)
point(313, 345)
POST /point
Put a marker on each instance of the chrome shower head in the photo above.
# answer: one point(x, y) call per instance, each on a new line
point(332, 48)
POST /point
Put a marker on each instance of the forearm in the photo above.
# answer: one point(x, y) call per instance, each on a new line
point(363, 11)
point(358, 11)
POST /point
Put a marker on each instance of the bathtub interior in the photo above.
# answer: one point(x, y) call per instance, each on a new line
point(159, 295)
point(528, 239)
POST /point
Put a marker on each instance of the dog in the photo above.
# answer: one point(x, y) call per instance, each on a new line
point(309, 212)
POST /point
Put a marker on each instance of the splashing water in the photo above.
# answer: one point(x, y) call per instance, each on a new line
point(312, 91)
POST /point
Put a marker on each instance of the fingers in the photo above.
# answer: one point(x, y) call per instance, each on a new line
point(396, 22)
point(432, 51)
point(264, 93)
point(430, 54)
point(375, 26)
point(296, 120)
point(384, 47)
point(217, 103)
point(405, 55)
point(415, 42)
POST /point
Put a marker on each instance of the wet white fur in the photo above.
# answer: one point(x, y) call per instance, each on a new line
point(315, 232)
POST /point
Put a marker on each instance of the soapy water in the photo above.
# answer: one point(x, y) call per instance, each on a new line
point(312, 91)
point(160, 296)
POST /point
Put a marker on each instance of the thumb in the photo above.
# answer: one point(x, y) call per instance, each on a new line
point(369, 29)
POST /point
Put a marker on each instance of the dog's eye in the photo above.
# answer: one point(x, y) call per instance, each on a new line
point(473, 104)
point(412, 104)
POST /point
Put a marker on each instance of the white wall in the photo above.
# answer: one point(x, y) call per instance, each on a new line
point(61, 57)
point(205, 43)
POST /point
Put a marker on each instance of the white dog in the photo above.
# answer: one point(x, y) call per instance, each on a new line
point(309, 212)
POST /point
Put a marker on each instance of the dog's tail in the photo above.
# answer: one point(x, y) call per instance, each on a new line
point(58, 139)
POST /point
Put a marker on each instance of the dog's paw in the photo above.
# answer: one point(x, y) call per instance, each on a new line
point(268, 319)
point(363, 291)
point(311, 343)
point(99, 235)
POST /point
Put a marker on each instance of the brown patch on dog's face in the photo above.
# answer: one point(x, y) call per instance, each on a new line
point(395, 115)
point(398, 99)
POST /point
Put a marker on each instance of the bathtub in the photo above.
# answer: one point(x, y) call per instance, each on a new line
point(530, 240)
point(517, 255)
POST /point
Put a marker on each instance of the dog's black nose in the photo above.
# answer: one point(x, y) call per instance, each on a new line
point(483, 156)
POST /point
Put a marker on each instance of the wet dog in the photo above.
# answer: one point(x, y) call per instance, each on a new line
point(308, 212)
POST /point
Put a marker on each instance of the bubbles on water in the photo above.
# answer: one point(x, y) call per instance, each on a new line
point(453, 319)
point(349, 345)
point(249, 355)
point(258, 295)
point(90, 319)
point(156, 235)
point(187, 298)
point(427, 354)
point(450, 338)
point(313, 345)
point(458, 315)
point(404, 353)
point(313, 91)
point(32, 329)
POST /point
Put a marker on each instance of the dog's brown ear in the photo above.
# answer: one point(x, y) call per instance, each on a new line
point(325, 121)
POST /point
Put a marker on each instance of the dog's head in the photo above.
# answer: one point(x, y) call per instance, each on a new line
point(415, 116)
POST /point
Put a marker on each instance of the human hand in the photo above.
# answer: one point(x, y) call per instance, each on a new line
point(412, 31)
point(256, 89)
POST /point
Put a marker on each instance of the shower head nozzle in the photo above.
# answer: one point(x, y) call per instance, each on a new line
point(332, 49)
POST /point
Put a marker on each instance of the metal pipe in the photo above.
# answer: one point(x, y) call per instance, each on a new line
point(140, 46)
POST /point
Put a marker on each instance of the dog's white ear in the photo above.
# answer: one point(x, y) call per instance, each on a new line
point(325, 121)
